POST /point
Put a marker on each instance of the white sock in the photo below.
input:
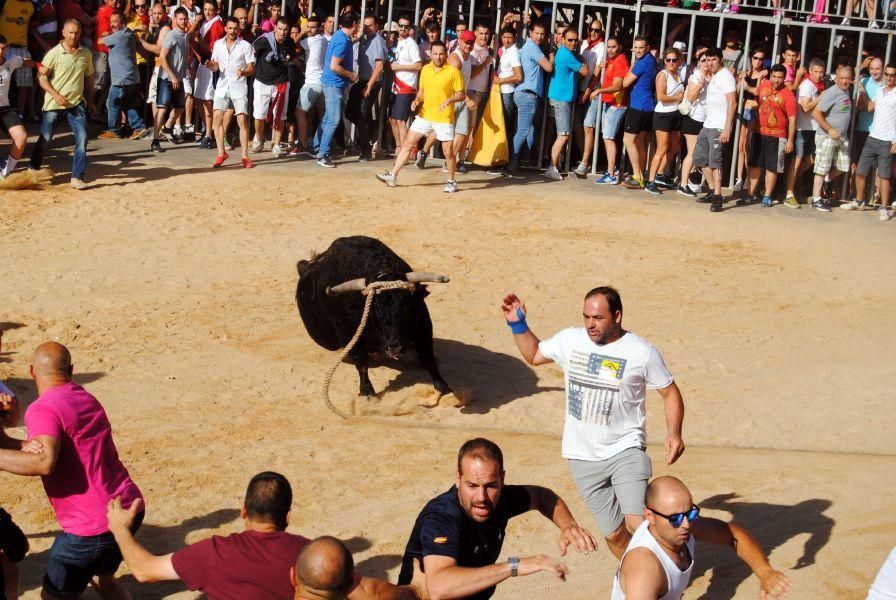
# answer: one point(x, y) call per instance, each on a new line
point(10, 166)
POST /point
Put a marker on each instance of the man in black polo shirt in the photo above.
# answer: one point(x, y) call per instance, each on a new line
point(458, 535)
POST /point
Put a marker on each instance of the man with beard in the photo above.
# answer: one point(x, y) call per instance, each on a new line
point(273, 51)
point(608, 371)
point(458, 535)
point(234, 61)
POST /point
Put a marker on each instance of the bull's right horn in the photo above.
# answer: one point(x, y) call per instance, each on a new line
point(353, 285)
point(415, 277)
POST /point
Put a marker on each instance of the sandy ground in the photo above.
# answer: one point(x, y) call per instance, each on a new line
point(174, 288)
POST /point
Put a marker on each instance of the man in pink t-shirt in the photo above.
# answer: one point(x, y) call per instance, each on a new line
point(70, 447)
point(254, 564)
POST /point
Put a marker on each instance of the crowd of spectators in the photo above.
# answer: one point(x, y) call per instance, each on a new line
point(324, 86)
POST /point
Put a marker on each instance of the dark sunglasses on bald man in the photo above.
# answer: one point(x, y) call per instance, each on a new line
point(676, 519)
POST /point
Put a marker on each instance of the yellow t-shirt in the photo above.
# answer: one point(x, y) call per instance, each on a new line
point(437, 87)
point(67, 71)
point(14, 21)
point(134, 24)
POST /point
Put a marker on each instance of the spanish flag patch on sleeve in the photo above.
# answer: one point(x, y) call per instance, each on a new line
point(440, 540)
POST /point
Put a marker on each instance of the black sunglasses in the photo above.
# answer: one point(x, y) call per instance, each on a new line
point(404, 25)
point(596, 30)
point(676, 519)
point(572, 39)
point(672, 60)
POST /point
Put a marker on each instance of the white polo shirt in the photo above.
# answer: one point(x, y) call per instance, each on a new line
point(883, 127)
point(230, 60)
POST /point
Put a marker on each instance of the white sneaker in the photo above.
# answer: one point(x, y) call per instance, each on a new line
point(738, 186)
point(450, 187)
point(78, 184)
point(845, 21)
point(853, 205)
point(581, 170)
point(882, 213)
point(277, 151)
point(874, 25)
point(256, 146)
point(553, 174)
point(387, 178)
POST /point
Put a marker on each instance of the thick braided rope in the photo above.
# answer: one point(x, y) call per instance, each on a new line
point(370, 291)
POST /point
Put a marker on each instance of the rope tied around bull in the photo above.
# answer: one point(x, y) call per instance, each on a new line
point(370, 290)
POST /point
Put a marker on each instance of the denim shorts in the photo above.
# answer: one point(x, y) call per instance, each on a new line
point(311, 95)
point(562, 116)
point(168, 97)
point(613, 116)
point(75, 560)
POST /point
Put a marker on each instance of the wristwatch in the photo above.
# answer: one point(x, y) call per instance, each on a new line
point(514, 562)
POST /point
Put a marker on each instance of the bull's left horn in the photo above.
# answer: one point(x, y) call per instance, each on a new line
point(352, 285)
point(415, 277)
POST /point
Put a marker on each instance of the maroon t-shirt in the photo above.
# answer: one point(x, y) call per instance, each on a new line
point(243, 566)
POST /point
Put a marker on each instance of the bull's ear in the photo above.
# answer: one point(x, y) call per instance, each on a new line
point(301, 267)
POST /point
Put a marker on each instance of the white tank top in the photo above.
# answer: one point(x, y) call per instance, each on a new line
point(676, 579)
point(466, 67)
point(672, 87)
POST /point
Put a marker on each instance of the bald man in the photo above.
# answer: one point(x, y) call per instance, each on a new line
point(70, 447)
point(660, 556)
point(324, 570)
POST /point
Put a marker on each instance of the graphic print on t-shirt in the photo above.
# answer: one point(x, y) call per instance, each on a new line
point(594, 381)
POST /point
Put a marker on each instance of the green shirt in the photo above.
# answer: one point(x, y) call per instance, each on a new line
point(67, 71)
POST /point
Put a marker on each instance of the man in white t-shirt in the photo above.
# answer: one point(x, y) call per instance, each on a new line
point(311, 96)
point(884, 586)
point(510, 73)
point(9, 116)
point(607, 371)
point(721, 104)
point(804, 141)
point(594, 53)
point(406, 66)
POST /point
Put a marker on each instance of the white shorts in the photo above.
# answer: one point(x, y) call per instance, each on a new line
point(444, 131)
point(264, 97)
point(187, 82)
point(240, 106)
point(204, 89)
point(153, 86)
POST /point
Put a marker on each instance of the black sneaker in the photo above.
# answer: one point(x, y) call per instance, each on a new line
point(155, 146)
point(706, 199)
point(716, 205)
point(167, 132)
point(686, 191)
point(822, 205)
point(189, 134)
point(365, 157)
point(420, 162)
point(324, 161)
point(652, 188)
point(745, 200)
point(664, 182)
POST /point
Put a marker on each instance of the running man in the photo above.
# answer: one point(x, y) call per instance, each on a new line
point(9, 117)
point(441, 85)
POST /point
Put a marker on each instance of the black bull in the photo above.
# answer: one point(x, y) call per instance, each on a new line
point(398, 320)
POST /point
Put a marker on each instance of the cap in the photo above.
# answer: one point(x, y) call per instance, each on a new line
point(467, 36)
point(681, 47)
point(393, 26)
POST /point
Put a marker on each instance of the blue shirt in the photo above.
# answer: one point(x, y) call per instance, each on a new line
point(864, 117)
point(340, 46)
point(563, 83)
point(642, 95)
point(532, 72)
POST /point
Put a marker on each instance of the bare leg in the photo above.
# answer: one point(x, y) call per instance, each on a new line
point(401, 158)
point(110, 588)
point(771, 178)
point(754, 179)
point(662, 146)
point(557, 149)
point(860, 187)
point(458, 146)
point(610, 147)
point(242, 121)
point(259, 131)
point(218, 128)
point(792, 173)
point(686, 164)
point(587, 145)
point(429, 143)
point(631, 146)
point(884, 187)
point(302, 120)
point(450, 159)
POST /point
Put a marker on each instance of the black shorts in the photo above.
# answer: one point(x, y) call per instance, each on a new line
point(400, 108)
point(767, 152)
point(638, 121)
point(856, 144)
point(667, 121)
point(9, 118)
point(689, 126)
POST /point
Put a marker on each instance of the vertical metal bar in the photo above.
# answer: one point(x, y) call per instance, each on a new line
point(691, 33)
point(719, 33)
point(544, 100)
point(748, 49)
point(778, 18)
point(381, 117)
point(496, 35)
point(471, 23)
point(889, 49)
point(803, 44)
point(598, 141)
point(311, 9)
point(637, 29)
point(575, 106)
point(525, 32)
point(830, 51)
point(416, 21)
point(665, 29)
point(363, 12)
point(444, 16)
point(283, 8)
point(336, 17)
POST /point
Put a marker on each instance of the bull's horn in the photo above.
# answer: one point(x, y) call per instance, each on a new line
point(415, 277)
point(353, 285)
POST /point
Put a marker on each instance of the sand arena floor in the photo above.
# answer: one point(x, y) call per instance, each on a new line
point(174, 288)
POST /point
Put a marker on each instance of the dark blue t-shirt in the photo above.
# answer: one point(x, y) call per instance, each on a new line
point(444, 529)
point(340, 46)
point(642, 95)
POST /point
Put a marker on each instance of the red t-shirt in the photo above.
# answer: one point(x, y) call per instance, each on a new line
point(251, 565)
point(616, 67)
point(103, 27)
point(775, 108)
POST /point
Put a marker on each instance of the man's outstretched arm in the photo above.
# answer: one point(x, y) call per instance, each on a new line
point(445, 580)
point(515, 314)
point(554, 508)
point(145, 566)
point(773, 584)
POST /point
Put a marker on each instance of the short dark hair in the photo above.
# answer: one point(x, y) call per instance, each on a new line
point(890, 66)
point(779, 69)
point(482, 449)
point(538, 23)
point(313, 19)
point(432, 25)
point(348, 20)
point(790, 48)
point(180, 10)
point(759, 49)
point(482, 24)
point(232, 19)
point(212, 2)
point(438, 43)
point(509, 29)
point(614, 301)
point(642, 38)
point(269, 498)
point(284, 20)
point(712, 51)
point(2, 39)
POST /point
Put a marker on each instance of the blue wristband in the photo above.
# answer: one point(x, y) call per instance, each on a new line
point(519, 326)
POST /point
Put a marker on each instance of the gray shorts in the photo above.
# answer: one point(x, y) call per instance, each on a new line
point(461, 119)
point(875, 152)
point(100, 69)
point(240, 106)
point(614, 487)
point(311, 95)
point(708, 151)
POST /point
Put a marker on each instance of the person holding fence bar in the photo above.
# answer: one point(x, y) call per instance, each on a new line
point(881, 144)
point(639, 118)
point(529, 93)
point(615, 104)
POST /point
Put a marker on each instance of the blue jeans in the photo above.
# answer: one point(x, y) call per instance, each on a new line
point(124, 98)
point(77, 120)
point(333, 107)
point(509, 119)
point(526, 106)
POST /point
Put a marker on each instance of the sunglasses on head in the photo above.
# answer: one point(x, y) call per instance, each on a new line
point(676, 519)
